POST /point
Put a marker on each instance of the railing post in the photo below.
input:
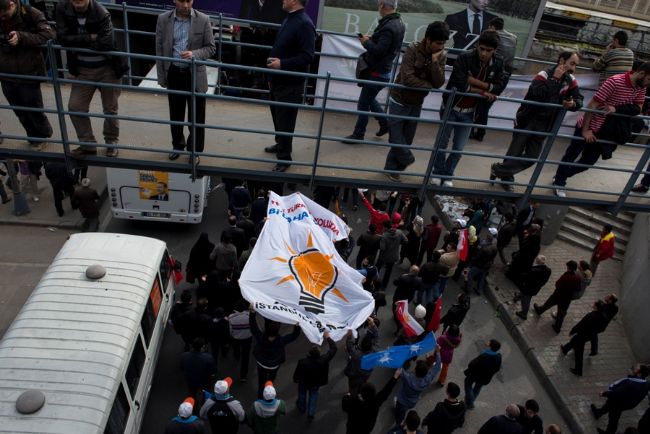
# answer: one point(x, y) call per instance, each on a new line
point(219, 51)
point(630, 182)
point(127, 40)
point(60, 109)
point(193, 121)
point(436, 146)
point(541, 160)
point(320, 130)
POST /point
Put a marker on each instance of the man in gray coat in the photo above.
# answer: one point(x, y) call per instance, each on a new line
point(184, 34)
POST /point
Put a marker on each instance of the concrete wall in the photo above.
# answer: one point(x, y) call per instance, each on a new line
point(635, 287)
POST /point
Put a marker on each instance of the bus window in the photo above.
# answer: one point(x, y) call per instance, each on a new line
point(150, 314)
point(165, 270)
point(119, 414)
point(134, 370)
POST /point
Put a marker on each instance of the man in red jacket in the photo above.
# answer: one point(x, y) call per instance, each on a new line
point(378, 217)
point(604, 249)
point(565, 287)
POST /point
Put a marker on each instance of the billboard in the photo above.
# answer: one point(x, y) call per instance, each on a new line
point(153, 185)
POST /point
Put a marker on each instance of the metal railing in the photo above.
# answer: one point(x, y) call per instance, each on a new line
point(240, 164)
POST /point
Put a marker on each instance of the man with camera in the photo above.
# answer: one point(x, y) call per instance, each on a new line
point(23, 30)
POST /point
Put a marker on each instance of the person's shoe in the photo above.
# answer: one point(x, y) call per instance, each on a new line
point(595, 411)
point(639, 188)
point(508, 187)
point(382, 131)
point(593, 353)
point(476, 136)
point(37, 146)
point(350, 140)
point(174, 156)
point(271, 149)
point(60, 213)
point(556, 328)
point(553, 315)
point(601, 431)
point(81, 152)
point(281, 167)
point(537, 309)
point(493, 172)
point(560, 191)
point(564, 350)
point(575, 372)
point(393, 177)
point(447, 183)
point(434, 180)
point(522, 315)
point(36, 198)
point(112, 152)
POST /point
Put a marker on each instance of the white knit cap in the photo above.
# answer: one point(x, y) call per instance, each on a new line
point(269, 391)
point(420, 311)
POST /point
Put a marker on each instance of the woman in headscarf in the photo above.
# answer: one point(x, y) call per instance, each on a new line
point(199, 263)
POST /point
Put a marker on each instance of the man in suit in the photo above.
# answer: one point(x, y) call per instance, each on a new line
point(469, 23)
point(161, 192)
point(184, 34)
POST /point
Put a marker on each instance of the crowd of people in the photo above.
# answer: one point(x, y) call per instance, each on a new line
point(213, 314)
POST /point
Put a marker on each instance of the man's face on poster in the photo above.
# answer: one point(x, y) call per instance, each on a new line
point(478, 5)
point(161, 188)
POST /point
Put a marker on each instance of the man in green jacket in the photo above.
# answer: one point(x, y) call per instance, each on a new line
point(264, 415)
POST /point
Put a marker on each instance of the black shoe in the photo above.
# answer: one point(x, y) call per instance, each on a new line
point(174, 156)
point(382, 131)
point(522, 315)
point(574, 372)
point(564, 352)
point(7, 200)
point(476, 136)
point(271, 149)
point(556, 328)
point(493, 173)
point(349, 140)
point(595, 411)
point(639, 188)
point(393, 177)
point(593, 353)
point(537, 309)
point(281, 167)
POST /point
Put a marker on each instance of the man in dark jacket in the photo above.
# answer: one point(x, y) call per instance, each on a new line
point(87, 200)
point(583, 332)
point(407, 284)
point(390, 244)
point(476, 71)
point(311, 373)
point(523, 259)
point(430, 239)
point(87, 24)
point(430, 274)
point(555, 85)
point(178, 318)
point(356, 375)
point(505, 235)
point(423, 67)
point(269, 349)
point(529, 418)
point(186, 422)
point(565, 288)
point(480, 371)
point(362, 408)
point(62, 183)
point(381, 48)
point(532, 283)
point(447, 415)
point(624, 394)
point(293, 50)
point(368, 245)
point(25, 28)
point(610, 310)
point(237, 235)
point(504, 423)
point(481, 265)
point(199, 369)
point(476, 13)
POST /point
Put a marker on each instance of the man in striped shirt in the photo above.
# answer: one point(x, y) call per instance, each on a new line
point(618, 59)
point(617, 91)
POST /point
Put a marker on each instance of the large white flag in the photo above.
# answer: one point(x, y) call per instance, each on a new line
point(294, 274)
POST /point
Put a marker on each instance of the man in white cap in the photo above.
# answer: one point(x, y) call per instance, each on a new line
point(481, 264)
point(186, 422)
point(264, 415)
point(222, 410)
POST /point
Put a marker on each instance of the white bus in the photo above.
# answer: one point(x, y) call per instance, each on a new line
point(156, 195)
point(79, 357)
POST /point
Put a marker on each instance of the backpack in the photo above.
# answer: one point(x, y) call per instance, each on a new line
point(222, 419)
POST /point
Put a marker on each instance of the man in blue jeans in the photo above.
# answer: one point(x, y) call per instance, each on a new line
point(381, 48)
point(478, 71)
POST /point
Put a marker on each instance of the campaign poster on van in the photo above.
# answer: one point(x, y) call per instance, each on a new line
point(153, 185)
point(295, 275)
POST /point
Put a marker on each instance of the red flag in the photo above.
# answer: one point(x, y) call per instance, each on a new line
point(434, 322)
point(411, 327)
point(463, 245)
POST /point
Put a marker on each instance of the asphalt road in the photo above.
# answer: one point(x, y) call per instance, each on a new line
point(29, 250)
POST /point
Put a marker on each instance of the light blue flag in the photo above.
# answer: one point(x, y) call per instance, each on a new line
point(394, 357)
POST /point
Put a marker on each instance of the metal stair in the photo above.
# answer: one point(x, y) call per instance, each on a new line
point(581, 227)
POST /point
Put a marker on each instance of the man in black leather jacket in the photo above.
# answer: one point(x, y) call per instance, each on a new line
point(381, 48)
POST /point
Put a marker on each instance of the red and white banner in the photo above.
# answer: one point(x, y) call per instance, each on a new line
point(411, 327)
point(463, 245)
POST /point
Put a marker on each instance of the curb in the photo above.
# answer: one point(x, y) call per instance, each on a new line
point(529, 353)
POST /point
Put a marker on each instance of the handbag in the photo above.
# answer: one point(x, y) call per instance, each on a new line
point(362, 70)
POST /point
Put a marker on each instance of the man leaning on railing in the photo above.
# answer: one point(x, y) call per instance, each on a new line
point(87, 24)
point(23, 30)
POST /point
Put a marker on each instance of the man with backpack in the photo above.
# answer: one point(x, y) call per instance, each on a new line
point(223, 412)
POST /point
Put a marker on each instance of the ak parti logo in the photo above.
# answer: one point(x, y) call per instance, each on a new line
point(315, 274)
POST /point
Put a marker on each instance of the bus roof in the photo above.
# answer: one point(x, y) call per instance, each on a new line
point(72, 338)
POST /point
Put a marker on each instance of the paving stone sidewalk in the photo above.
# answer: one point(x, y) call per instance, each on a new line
point(541, 344)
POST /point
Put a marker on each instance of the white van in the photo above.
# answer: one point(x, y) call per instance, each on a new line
point(80, 356)
point(156, 195)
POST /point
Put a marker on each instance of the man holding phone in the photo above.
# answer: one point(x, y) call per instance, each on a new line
point(554, 85)
point(293, 50)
